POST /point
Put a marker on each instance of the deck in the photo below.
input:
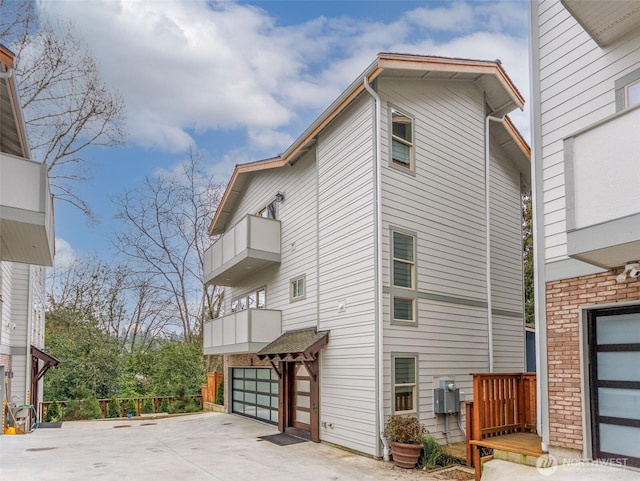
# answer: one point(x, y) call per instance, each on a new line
point(502, 416)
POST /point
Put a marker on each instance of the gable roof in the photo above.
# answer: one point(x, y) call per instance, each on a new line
point(502, 96)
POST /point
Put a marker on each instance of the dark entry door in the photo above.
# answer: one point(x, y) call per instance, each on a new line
point(614, 341)
point(301, 398)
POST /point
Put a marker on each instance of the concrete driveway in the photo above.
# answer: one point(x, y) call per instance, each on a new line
point(209, 446)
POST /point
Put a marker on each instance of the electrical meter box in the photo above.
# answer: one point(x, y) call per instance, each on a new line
point(446, 398)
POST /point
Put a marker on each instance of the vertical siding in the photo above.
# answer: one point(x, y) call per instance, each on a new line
point(346, 273)
point(576, 90)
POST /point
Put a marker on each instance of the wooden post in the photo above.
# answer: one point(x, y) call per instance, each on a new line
point(468, 407)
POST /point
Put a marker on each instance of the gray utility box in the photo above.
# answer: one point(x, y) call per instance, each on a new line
point(446, 398)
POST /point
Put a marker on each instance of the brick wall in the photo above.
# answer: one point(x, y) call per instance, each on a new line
point(564, 297)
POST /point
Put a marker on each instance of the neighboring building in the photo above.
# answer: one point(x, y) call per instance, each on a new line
point(26, 246)
point(358, 262)
point(586, 137)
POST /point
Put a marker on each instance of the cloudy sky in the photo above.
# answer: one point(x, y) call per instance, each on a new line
point(238, 81)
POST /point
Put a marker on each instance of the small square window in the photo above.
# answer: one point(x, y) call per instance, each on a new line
point(401, 139)
point(633, 94)
point(297, 288)
point(404, 384)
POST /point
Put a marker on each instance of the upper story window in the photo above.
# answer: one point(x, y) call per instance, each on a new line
point(401, 139)
point(403, 276)
point(297, 288)
point(627, 91)
point(268, 211)
point(252, 300)
point(633, 94)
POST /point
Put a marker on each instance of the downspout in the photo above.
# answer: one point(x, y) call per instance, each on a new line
point(487, 203)
point(378, 271)
point(537, 202)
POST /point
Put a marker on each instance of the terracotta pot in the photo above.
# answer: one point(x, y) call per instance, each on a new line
point(405, 455)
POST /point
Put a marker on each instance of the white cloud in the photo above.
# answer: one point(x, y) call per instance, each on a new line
point(201, 66)
point(65, 255)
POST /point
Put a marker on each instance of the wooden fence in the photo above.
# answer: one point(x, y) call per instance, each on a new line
point(210, 390)
point(138, 402)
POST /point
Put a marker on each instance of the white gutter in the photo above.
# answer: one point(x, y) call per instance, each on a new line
point(487, 203)
point(537, 220)
point(378, 273)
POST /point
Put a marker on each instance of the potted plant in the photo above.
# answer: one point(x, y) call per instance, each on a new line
point(405, 436)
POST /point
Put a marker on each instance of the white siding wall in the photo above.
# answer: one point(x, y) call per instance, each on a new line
point(506, 264)
point(298, 219)
point(576, 90)
point(6, 273)
point(346, 273)
point(444, 205)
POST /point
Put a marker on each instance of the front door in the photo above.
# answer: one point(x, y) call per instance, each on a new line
point(301, 398)
point(614, 341)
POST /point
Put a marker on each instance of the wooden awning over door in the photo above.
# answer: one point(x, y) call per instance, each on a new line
point(300, 345)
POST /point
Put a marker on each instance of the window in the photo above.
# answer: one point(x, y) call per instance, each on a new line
point(627, 91)
point(633, 94)
point(403, 276)
point(401, 139)
point(297, 288)
point(268, 211)
point(404, 384)
point(252, 300)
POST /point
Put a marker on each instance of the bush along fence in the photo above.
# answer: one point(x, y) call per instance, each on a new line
point(52, 411)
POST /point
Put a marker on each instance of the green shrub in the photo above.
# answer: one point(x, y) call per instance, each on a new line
point(53, 414)
point(432, 455)
point(177, 406)
point(193, 406)
point(131, 408)
point(220, 393)
point(78, 409)
point(148, 407)
point(114, 410)
point(164, 405)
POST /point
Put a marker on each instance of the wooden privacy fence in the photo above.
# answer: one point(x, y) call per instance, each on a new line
point(210, 390)
point(503, 403)
point(138, 402)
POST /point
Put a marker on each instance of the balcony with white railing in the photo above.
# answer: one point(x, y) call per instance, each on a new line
point(26, 212)
point(250, 245)
point(241, 332)
point(602, 169)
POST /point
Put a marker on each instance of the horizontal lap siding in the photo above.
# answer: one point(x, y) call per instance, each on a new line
point(297, 215)
point(444, 204)
point(346, 273)
point(577, 89)
point(506, 266)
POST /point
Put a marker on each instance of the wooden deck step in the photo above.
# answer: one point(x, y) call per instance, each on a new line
point(528, 444)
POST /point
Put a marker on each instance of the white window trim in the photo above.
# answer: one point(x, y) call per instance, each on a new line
point(399, 165)
point(302, 278)
point(403, 355)
point(404, 292)
point(245, 296)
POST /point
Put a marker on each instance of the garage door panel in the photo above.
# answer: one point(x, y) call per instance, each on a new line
point(255, 393)
point(623, 403)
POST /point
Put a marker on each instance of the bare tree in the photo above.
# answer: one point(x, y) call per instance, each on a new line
point(114, 299)
point(165, 236)
point(66, 105)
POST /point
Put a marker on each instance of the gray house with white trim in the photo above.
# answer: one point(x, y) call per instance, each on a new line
point(378, 255)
